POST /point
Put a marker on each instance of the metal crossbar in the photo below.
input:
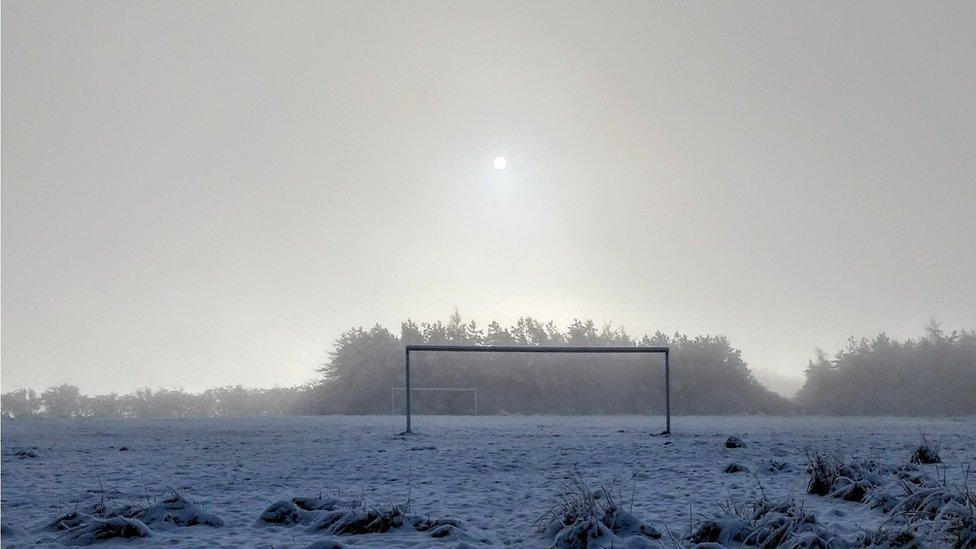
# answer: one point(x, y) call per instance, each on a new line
point(550, 349)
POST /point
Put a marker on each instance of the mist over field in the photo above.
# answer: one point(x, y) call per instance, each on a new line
point(190, 208)
point(934, 374)
point(566, 274)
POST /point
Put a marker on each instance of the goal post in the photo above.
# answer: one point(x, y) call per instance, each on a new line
point(545, 349)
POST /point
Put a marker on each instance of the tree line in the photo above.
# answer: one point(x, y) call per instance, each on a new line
point(366, 367)
point(66, 401)
point(363, 374)
point(932, 375)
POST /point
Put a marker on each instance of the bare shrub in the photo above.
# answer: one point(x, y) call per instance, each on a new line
point(371, 520)
point(927, 453)
point(583, 517)
point(360, 520)
point(944, 514)
point(176, 510)
point(734, 442)
point(849, 480)
point(304, 510)
point(761, 523)
point(94, 529)
point(890, 537)
point(286, 512)
point(735, 468)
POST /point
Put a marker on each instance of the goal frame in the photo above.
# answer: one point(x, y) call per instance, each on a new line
point(666, 351)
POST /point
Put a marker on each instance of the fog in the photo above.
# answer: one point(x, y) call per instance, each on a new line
point(200, 195)
point(932, 375)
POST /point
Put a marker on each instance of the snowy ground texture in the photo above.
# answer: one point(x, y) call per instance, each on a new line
point(477, 481)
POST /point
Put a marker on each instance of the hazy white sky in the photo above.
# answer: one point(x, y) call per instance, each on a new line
point(208, 193)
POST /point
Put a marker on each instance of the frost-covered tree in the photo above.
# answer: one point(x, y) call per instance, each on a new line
point(934, 375)
point(63, 401)
point(709, 375)
point(23, 403)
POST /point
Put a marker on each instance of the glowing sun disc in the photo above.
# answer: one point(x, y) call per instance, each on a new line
point(499, 162)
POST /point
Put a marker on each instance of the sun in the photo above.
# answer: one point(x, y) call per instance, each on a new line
point(499, 162)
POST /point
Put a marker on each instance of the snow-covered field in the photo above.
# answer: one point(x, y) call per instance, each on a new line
point(495, 475)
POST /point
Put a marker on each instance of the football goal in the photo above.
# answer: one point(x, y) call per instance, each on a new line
point(406, 391)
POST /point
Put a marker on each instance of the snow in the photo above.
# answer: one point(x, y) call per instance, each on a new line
point(458, 481)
